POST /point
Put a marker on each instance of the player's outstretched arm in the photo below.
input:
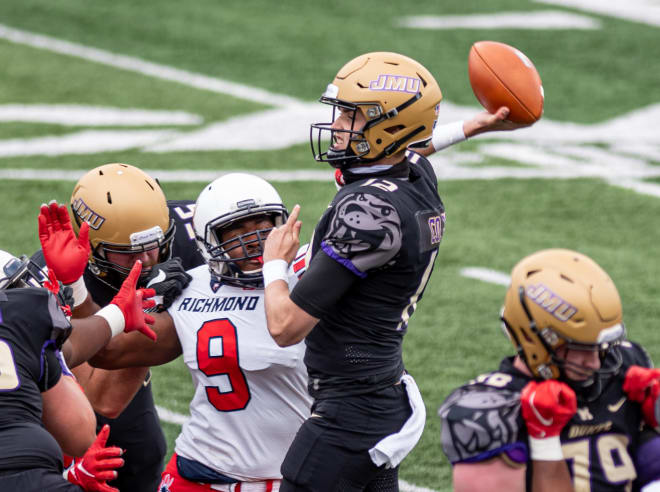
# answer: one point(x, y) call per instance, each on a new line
point(547, 407)
point(135, 350)
point(288, 324)
point(123, 314)
point(452, 133)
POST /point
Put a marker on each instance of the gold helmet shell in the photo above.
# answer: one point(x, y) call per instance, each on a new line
point(126, 211)
point(398, 97)
point(558, 297)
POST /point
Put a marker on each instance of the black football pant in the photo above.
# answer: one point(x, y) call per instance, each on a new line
point(330, 452)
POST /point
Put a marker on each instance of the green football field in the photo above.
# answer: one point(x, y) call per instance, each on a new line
point(189, 90)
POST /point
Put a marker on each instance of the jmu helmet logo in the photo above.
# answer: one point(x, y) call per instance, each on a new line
point(86, 214)
point(437, 226)
point(551, 302)
point(395, 83)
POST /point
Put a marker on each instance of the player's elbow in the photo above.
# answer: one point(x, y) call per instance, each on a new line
point(284, 339)
point(287, 332)
point(278, 332)
point(109, 409)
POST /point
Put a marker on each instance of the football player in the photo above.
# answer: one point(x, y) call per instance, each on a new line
point(34, 331)
point(250, 395)
point(578, 400)
point(372, 254)
point(129, 220)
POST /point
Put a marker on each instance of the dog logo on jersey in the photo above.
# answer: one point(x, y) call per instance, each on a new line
point(551, 302)
point(395, 83)
point(476, 421)
point(364, 222)
point(86, 214)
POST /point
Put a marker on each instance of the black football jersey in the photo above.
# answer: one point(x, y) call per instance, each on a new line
point(184, 246)
point(29, 365)
point(482, 419)
point(386, 232)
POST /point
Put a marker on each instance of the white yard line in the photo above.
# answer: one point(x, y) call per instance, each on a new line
point(84, 115)
point(644, 11)
point(172, 176)
point(486, 275)
point(551, 19)
point(144, 67)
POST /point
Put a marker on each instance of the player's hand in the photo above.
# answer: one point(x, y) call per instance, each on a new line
point(132, 304)
point(491, 122)
point(547, 407)
point(168, 279)
point(97, 466)
point(283, 242)
point(65, 254)
point(643, 386)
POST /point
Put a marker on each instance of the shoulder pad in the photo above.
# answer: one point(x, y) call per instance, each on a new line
point(479, 420)
point(634, 354)
point(423, 166)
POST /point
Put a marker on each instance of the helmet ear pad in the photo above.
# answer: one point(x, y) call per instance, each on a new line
point(227, 204)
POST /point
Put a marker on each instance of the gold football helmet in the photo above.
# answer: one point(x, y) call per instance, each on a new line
point(398, 97)
point(557, 298)
point(127, 213)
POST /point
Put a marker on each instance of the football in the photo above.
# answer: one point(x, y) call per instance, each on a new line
point(502, 75)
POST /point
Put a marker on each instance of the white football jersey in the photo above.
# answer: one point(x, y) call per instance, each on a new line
point(250, 394)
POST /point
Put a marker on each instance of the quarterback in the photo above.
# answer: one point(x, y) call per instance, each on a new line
point(372, 254)
point(576, 408)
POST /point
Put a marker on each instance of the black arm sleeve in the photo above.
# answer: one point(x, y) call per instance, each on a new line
point(324, 283)
point(52, 370)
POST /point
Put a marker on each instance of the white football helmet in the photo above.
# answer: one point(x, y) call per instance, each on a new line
point(228, 199)
point(19, 272)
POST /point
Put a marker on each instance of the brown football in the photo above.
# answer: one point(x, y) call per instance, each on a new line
point(501, 75)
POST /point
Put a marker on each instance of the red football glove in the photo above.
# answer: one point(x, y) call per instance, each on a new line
point(65, 254)
point(643, 386)
point(547, 407)
point(132, 303)
point(97, 465)
point(52, 283)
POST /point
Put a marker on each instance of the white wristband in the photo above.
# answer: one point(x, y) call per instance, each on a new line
point(547, 449)
point(79, 292)
point(274, 270)
point(446, 135)
point(115, 318)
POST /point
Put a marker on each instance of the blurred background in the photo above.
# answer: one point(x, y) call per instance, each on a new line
point(190, 90)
